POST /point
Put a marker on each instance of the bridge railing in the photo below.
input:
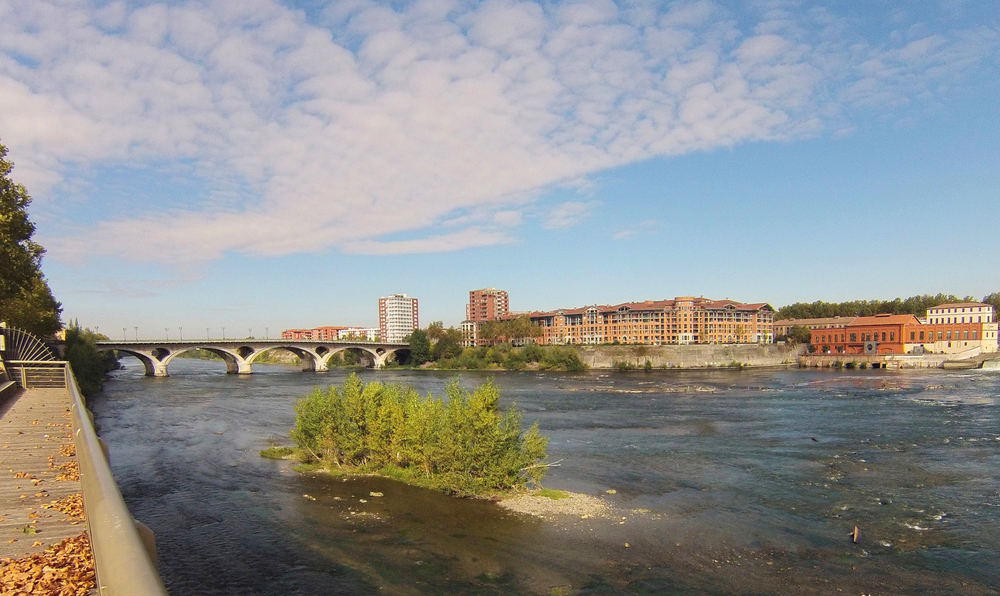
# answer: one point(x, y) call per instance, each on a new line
point(124, 554)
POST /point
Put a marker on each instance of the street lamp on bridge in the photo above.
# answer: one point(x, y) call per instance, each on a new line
point(223, 334)
point(166, 334)
point(136, 334)
point(265, 334)
point(124, 336)
point(180, 332)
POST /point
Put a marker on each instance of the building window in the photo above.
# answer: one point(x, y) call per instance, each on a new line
point(940, 335)
point(913, 335)
point(892, 336)
point(974, 332)
point(883, 336)
point(949, 335)
point(966, 334)
point(854, 337)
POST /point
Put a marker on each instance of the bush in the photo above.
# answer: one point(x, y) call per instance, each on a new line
point(89, 364)
point(465, 445)
point(559, 357)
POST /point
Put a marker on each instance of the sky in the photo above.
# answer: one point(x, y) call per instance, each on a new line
point(261, 165)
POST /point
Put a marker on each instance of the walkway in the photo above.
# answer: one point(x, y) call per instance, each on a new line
point(38, 466)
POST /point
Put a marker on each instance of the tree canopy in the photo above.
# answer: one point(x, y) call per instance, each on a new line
point(509, 330)
point(914, 305)
point(26, 302)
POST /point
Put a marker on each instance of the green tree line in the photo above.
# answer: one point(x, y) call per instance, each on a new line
point(442, 347)
point(465, 445)
point(914, 305)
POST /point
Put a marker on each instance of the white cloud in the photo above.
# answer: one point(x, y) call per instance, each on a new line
point(382, 123)
point(569, 214)
point(647, 227)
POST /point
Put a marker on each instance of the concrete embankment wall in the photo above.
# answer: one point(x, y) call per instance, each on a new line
point(692, 356)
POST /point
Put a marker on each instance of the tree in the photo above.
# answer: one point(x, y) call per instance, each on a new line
point(435, 331)
point(446, 347)
point(34, 310)
point(420, 347)
point(993, 300)
point(800, 334)
point(510, 330)
point(26, 301)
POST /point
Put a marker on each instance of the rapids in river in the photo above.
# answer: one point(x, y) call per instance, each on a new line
point(722, 482)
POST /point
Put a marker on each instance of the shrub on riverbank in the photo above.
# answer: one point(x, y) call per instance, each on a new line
point(506, 356)
point(466, 446)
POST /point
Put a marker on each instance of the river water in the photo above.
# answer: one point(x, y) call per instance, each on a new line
point(726, 482)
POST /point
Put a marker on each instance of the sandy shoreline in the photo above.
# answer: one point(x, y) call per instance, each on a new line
point(575, 504)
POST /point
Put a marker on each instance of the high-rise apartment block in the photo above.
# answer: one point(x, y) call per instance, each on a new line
point(488, 304)
point(397, 317)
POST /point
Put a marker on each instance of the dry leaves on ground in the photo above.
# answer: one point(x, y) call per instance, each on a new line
point(64, 569)
point(71, 471)
point(71, 505)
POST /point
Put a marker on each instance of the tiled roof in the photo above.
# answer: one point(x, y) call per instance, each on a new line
point(883, 320)
point(817, 321)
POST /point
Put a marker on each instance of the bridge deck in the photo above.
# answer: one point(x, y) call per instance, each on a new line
point(36, 441)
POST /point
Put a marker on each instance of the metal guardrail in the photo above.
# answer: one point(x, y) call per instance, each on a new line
point(38, 374)
point(124, 554)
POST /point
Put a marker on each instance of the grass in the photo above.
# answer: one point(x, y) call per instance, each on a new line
point(552, 494)
point(275, 452)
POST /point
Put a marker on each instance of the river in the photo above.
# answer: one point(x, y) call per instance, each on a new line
point(726, 482)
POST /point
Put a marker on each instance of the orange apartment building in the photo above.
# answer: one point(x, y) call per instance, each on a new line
point(948, 328)
point(683, 320)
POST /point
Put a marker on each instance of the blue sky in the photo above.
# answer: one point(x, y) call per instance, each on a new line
point(264, 164)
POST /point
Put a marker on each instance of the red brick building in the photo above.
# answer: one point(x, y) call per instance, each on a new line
point(488, 304)
point(880, 334)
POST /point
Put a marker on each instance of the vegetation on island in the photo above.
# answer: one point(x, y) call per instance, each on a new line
point(914, 305)
point(465, 445)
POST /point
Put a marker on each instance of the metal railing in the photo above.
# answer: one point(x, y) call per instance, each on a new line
point(38, 374)
point(124, 554)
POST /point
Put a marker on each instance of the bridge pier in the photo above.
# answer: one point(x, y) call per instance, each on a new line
point(236, 366)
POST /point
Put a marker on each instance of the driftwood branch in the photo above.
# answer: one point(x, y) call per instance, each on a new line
point(554, 464)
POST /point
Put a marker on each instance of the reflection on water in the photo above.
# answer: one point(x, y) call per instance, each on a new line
point(727, 482)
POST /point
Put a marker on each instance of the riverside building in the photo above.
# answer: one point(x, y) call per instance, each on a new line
point(332, 333)
point(683, 320)
point(967, 328)
point(397, 317)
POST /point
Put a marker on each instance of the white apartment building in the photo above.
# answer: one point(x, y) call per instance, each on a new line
point(397, 317)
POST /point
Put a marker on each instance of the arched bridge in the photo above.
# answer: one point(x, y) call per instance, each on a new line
point(240, 354)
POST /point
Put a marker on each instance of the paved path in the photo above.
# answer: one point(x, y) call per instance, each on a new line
point(36, 455)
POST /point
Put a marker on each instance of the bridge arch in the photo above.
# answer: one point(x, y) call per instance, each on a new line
point(235, 363)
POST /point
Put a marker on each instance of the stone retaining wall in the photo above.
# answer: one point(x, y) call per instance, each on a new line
point(692, 356)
